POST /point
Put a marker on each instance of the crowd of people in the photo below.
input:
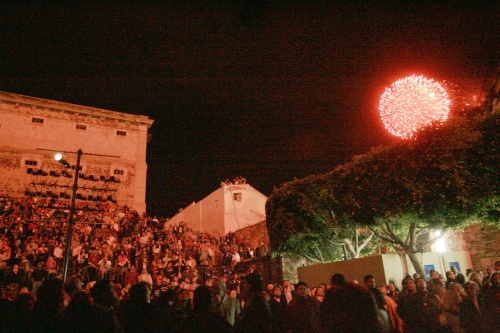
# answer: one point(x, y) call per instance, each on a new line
point(128, 273)
point(111, 241)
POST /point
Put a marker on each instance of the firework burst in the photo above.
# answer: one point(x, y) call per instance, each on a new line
point(411, 103)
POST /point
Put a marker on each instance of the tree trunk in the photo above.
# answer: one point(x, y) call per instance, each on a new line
point(417, 264)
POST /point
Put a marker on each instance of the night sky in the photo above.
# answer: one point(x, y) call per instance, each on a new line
point(265, 90)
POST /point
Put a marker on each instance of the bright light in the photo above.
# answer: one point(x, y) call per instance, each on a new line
point(61, 160)
point(440, 244)
point(411, 103)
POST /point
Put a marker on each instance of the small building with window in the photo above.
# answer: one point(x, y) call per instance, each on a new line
point(113, 164)
point(228, 209)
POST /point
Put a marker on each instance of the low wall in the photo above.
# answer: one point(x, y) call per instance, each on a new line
point(392, 267)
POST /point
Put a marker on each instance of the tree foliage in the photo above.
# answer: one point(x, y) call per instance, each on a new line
point(445, 177)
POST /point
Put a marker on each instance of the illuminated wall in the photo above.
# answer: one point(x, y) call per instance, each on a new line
point(31, 129)
point(229, 208)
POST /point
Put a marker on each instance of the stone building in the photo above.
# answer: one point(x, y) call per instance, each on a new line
point(113, 163)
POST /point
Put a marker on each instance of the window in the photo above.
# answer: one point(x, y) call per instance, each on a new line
point(30, 163)
point(121, 133)
point(38, 121)
point(117, 172)
point(237, 196)
point(81, 127)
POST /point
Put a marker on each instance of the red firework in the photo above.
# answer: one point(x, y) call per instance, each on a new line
point(411, 103)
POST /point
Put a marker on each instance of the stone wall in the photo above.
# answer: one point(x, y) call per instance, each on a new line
point(482, 242)
point(254, 234)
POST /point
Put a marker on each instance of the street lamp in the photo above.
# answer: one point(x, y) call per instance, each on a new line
point(69, 232)
point(61, 160)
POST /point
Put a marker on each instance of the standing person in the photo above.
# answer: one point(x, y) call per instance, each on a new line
point(230, 307)
point(435, 307)
point(20, 317)
point(392, 292)
point(450, 277)
point(470, 309)
point(38, 276)
point(371, 285)
point(491, 303)
point(303, 312)
point(411, 308)
point(349, 308)
point(48, 307)
point(320, 293)
point(452, 299)
point(227, 306)
point(396, 324)
point(254, 280)
point(256, 316)
point(204, 318)
point(131, 276)
point(136, 314)
point(278, 311)
point(145, 277)
point(15, 278)
point(288, 292)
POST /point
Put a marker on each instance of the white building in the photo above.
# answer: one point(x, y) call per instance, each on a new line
point(229, 208)
point(32, 130)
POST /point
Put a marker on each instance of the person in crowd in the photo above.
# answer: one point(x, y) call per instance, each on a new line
point(105, 299)
point(303, 311)
point(496, 266)
point(396, 324)
point(470, 309)
point(421, 285)
point(180, 309)
point(392, 292)
point(320, 293)
point(131, 277)
point(254, 280)
point(256, 316)
point(204, 318)
point(122, 260)
point(491, 304)
point(15, 278)
point(269, 288)
point(38, 276)
point(288, 292)
point(476, 277)
point(371, 285)
point(72, 285)
point(349, 308)
point(48, 307)
point(412, 307)
point(145, 277)
point(136, 314)
point(278, 311)
point(20, 317)
point(230, 307)
point(450, 277)
point(452, 298)
point(435, 309)
point(81, 316)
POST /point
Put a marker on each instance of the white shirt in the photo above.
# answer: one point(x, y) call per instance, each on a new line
point(146, 278)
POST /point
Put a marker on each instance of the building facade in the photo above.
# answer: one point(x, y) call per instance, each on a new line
point(113, 144)
point(227, 209)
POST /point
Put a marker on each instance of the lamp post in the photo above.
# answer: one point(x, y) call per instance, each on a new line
point(69, 232)
point(71, 223)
